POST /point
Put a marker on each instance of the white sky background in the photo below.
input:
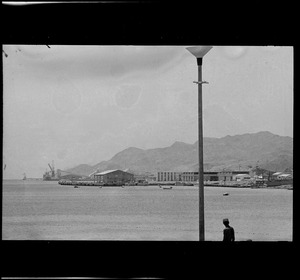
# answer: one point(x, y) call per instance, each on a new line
point(83, 104)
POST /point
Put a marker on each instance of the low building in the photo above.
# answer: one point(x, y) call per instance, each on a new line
point(225, 176)
point(113, 177)
point(242, 177)
point(144, 177)
point(169, 176)
point(151, 178)
point(172, 176)
point(193, 176)
point(211, 176)
point(190, 176)
point(285, 176)
point(231, 175)
point(261, 173)
point(275, 175)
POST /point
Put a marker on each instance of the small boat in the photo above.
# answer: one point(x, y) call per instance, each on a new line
point(76, 187)
point(187, 184)
point(167, 188)
point(225, 193)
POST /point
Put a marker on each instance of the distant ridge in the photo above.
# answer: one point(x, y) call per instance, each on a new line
point(245, 151)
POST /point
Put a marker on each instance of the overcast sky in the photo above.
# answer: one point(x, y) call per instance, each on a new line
point(83, 104)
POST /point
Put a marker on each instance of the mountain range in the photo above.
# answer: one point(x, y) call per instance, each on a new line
point(239, 152)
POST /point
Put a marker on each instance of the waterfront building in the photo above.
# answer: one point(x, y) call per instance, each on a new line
point(225, 176)
point(169, 176)
point(242, 177)
point(113, 177)
point(193, 176)
point(281, 176)
point(261, 173)
point(144, 177)
point(229, 175)
point(285, 176)
point(190, 176)
point(211, 176)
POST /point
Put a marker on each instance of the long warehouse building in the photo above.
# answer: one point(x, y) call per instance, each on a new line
point(113, 177)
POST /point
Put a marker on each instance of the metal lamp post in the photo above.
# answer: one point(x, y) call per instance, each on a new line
point(199, 53)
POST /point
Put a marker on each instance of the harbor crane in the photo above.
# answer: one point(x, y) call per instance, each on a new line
point(52, 168)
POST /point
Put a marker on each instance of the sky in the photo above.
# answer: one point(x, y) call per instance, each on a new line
point(83, 104)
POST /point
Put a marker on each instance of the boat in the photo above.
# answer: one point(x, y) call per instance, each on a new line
point(187, 184)
point(167, 188)
point(51, 175)
point(226, 193)
point(24, 176)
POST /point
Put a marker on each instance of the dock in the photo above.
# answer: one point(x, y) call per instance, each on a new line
point(79, 183)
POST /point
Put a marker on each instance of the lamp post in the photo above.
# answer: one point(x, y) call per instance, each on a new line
point(199, 53)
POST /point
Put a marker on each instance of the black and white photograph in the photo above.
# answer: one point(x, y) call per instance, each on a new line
point(147, 140)
point(147, 143)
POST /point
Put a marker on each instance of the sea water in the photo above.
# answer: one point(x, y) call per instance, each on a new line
point(37, 210)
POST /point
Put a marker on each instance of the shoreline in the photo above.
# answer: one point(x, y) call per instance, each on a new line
point(288, 187)
point(240, 186)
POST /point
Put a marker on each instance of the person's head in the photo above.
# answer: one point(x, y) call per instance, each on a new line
point(226, 222)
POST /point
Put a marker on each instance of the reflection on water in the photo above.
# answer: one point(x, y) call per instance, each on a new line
point(36, 210)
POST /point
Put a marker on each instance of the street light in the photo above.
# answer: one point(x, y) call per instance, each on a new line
point(199, 53)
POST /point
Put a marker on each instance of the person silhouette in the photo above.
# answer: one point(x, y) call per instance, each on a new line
point(228, 232)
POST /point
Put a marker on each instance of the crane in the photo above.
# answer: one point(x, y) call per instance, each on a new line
point(50, 166)
point(52, 169)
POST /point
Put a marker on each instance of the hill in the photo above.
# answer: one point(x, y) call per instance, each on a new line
point(269, 151)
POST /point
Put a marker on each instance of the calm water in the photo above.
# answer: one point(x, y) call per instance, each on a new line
point(35, 210)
